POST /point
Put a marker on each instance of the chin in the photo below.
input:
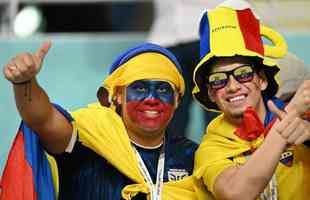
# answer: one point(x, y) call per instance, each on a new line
point(150, 128)
point(237, 115)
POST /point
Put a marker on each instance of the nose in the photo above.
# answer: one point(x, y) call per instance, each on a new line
point(152, 94)
point(233, 85)
point(151, 101)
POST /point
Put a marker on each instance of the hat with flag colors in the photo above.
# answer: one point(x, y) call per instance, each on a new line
point(232, 29)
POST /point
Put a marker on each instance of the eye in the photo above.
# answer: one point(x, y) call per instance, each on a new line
point(244, 74)
point(217, 77)
point(243, 70)
point(165, 88)
point(162, 90)
point(138, 86)
point(140, 89)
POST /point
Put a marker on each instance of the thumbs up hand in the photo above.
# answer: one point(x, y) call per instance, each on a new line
point(26, 66)
point(291, 127)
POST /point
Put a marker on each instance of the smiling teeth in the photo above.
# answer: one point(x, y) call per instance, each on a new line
point(238, 98)
point(151, 113)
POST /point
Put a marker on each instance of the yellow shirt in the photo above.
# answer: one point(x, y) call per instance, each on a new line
point(221, 148)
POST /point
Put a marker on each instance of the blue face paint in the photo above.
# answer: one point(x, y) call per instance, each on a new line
point(150, 89)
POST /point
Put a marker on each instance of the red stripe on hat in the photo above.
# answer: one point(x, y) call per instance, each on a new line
point(17, 180)
point(249, 26)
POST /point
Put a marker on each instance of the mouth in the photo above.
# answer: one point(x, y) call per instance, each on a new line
point(236, 99)
point(150, 113)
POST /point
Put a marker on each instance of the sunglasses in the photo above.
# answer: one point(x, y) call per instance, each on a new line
point(242, 74)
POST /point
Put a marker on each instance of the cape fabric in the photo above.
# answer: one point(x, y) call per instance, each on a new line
point(27, 174)
point(221, 148)
point(102, 130)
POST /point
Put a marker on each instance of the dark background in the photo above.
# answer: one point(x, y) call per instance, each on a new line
point(95, 16)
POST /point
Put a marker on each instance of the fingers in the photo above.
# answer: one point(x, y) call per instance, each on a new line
point(273, 108)
point(26, 66)
point(305, 129)
point(290, 128)
point(7, 73)
point(21, 68)
point(293, 129)
point(43, 50)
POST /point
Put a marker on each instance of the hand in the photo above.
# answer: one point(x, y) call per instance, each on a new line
point(301, 100)
point(26, 66)
point(292, 128)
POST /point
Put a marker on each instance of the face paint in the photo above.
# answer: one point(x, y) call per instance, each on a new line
point(150, 103)
point(150, 89)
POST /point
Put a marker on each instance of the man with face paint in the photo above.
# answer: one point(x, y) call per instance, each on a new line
point(252, 150)
point(115, 149)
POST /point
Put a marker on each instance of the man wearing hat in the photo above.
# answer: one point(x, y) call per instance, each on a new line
point(115, 149)
point(251, 150)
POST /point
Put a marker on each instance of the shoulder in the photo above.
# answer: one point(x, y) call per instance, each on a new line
point(95, 113)
point(182, 143)
point(94, 108)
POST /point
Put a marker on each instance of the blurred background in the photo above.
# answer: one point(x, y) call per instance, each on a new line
point(88, 34)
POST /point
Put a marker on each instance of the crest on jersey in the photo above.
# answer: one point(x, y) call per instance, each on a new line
point(177, 174)
point(287, 158)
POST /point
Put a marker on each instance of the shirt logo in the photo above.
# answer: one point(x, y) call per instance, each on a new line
point(287, 158)
point(177, 174)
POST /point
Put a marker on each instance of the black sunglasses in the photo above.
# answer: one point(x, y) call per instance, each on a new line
point(242, 74)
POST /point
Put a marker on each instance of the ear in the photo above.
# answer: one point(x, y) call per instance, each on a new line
point(177, 99)
point(118, 98)
point(263, 83)
point(103, 96)
point(119, 91)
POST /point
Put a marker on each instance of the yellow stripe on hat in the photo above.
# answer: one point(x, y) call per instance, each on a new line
point(224, 19)
point(145, 66)
point(227, 42)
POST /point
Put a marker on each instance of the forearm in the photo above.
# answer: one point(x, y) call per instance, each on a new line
point(40, 115)
point(249, 180)
point(32, 103)
point(255, 175)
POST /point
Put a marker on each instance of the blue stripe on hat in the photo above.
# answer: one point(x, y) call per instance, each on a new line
point(143, 48)
point(204, 31)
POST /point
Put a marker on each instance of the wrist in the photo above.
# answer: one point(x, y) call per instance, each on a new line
point(21, 83)
point(277, 139)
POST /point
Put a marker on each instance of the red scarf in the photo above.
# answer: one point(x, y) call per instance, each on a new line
point(251, 126)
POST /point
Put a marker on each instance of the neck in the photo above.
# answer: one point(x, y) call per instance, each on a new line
point(260, 111)
point(147, 147)
point(147, 141)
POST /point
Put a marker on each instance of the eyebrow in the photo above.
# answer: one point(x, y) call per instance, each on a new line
point(212, 72)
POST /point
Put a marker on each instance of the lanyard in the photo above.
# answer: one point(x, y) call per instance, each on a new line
point(271, 192)
point(156, 188)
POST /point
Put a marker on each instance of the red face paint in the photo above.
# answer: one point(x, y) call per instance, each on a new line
point(150, 113)
point(151, 110)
